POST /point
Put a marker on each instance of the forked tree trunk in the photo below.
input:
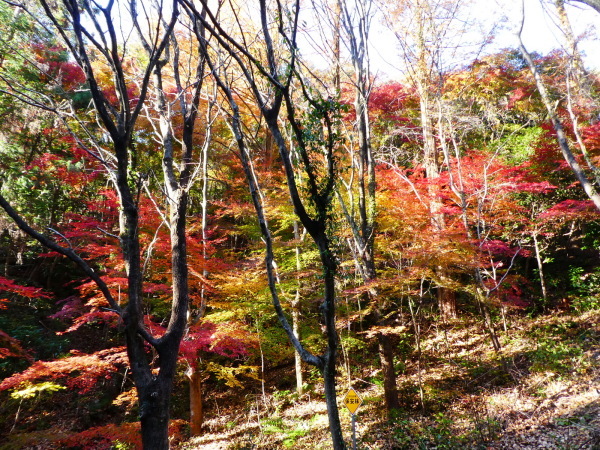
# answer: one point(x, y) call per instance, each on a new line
point(154, 391)
point(71, 20)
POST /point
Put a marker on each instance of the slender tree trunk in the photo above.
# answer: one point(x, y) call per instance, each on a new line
point(538, 258)
point(363, 224)
point(591, 3)
point(296, 329)
point(487, 320)
point(417, 331)
point(575, 55)
point(296, 312)
point(196, 402)
point(563, 143)
point(317, 230)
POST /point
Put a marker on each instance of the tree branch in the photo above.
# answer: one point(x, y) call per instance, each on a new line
point(68, 252)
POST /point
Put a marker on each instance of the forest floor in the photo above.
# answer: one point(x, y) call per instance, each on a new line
point(540, 392)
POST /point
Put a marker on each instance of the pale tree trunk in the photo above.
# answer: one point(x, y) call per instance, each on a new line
point(538, 258)
point(297, 357)
point(579, 86)
point(296, 312)
point(563, 143)
point(363, 224)
point(337, 16)
point(457, 186)
point(574, 54)
point(424, 78)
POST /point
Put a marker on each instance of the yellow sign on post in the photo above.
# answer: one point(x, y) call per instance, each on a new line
point(352, 401)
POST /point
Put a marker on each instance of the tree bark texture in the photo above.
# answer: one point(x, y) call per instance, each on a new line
point(196, 402)
point(390, 390)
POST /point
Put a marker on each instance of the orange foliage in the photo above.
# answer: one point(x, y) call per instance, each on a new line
point(11, 347)
point(105, 437)
point(80, 371)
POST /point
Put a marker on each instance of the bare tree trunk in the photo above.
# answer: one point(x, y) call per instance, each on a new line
point(563, 143)
point(484, 310)
point(390, 390)
point(296, 313)
point(424, 76)
point(364, 224)
point(196, 402)
point(317, 229)
point(297, 357)
point(417, 331)
point(538, 258)
point(447, 302)
point(580, 72)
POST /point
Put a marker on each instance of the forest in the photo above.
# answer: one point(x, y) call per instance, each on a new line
point(223, 227)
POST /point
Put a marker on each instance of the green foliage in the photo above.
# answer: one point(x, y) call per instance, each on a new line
point(435, 433)
point(518, 143)
point(585, 289)
point(276, 425)
point(230, 375)
point(439, 431)
point(352, 344)
point(119, 445)
point(556, 356)
point(25, 327)
point(486, 429)
point(29, 390)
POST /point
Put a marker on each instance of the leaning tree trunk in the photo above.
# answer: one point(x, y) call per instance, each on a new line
point(561, 137)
